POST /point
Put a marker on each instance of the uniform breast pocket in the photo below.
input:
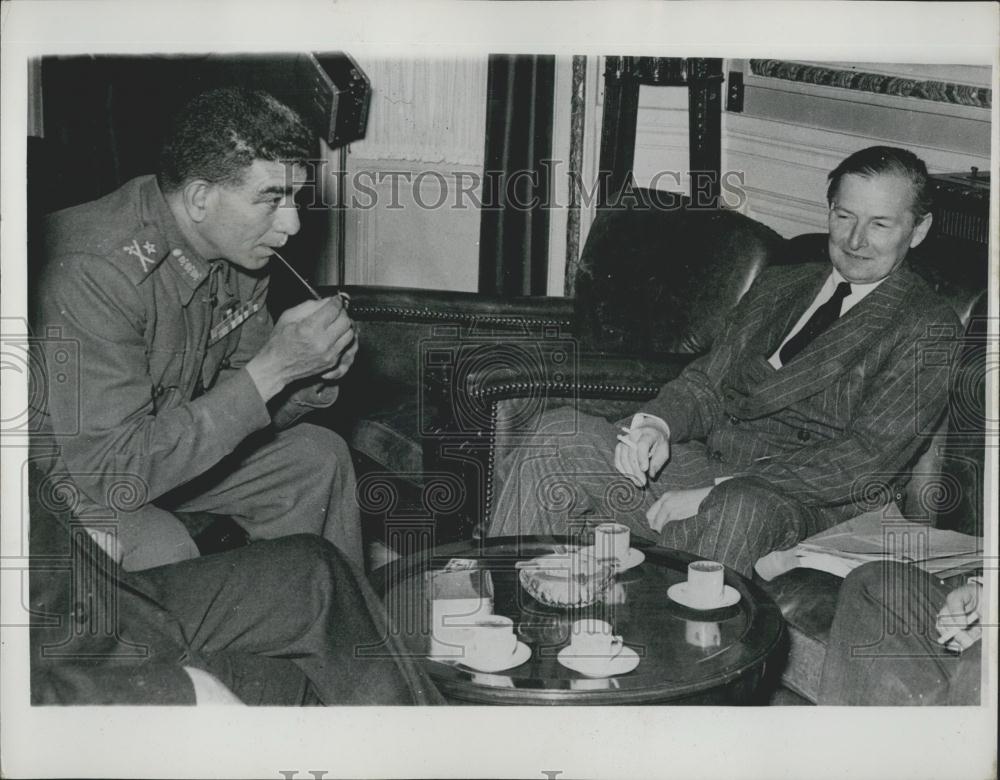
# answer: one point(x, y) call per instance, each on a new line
point(166, 370)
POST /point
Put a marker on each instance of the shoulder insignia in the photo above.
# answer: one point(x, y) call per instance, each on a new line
point(145, 253)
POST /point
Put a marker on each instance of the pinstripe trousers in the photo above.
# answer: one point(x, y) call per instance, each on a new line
point(563, 481)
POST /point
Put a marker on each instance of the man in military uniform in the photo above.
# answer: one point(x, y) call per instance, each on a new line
point(188, 391)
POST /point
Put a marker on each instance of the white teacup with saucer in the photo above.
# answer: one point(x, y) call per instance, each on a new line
point(612, 542)
point(705, 587)
point(595, 651)
point(488, 645)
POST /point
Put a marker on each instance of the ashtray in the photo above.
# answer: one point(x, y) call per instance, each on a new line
point(575, 579)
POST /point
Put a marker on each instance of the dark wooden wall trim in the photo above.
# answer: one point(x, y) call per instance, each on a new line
point(703, 79)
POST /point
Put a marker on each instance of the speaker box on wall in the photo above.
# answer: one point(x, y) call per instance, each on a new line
point(330, 91)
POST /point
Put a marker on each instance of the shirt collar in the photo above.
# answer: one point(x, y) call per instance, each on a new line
point(178, 254)
point(858, 290)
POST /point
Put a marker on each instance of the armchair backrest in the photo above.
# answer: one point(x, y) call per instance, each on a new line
point(658, 276)
point(959, 498)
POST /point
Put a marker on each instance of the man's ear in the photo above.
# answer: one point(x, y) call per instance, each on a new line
point(197, 196)
point(921, 229)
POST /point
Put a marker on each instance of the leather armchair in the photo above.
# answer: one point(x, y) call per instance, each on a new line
point(411, 486)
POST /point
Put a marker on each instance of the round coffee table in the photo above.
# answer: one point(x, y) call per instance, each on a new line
point(686, 656)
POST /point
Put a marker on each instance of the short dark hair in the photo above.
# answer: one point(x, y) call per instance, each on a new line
point(219, 134)
point(881, 160)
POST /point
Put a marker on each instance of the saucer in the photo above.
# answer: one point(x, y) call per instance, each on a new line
point(633, 559)
point(521, 654)
point(678, 593)
point(595, 666)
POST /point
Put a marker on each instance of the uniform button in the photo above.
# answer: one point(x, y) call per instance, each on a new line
point(160, 390)
point(225, 363)
point(803, 435)
point(734, 420)
point(716, 455)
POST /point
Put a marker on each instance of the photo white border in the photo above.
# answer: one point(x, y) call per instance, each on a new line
point(475, 742)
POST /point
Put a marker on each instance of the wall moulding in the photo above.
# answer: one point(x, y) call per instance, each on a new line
point(933, 90)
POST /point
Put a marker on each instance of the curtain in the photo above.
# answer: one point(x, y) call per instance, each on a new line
point(514, 231)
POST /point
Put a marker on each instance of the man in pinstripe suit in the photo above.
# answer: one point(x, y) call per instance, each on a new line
point(815, 392)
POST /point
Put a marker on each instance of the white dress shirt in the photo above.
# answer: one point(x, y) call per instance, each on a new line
point(858, 292)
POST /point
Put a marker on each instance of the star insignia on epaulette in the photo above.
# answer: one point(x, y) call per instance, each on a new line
point(148, 260)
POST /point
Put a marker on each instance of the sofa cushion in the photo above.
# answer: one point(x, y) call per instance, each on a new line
point(390, 439)
point(383, 422)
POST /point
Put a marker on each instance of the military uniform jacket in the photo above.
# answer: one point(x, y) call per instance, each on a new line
point(836, 425)
point(152, 389)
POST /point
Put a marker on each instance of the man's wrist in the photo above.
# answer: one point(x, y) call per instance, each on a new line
point(652, 421)
point(266, 378)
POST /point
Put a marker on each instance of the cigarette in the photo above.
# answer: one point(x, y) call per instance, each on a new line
point(625, 440)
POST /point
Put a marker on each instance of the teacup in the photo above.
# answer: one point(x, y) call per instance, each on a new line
point(490, 640)
point(705, 584)
point(612, 541)
point(594, 639)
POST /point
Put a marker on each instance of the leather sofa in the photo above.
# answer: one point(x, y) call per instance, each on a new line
point(446, 381)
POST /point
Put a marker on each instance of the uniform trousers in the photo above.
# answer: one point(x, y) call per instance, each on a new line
point(883, 647)
point(296, 599)
point(280, 622)
point(563, 480)
point(276, 483)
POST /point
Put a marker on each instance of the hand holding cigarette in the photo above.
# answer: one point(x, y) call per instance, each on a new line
point(641, 452)
point(958, 620)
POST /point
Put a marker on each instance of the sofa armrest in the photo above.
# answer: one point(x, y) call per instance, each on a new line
point(595, 376)
point(407, 334)
point(410, 304)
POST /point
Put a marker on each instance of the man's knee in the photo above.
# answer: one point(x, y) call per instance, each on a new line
point(567, 425)
point(317, 449)
point(742, 501)
point(740, 494)
point(306, 556)
point(862, 582)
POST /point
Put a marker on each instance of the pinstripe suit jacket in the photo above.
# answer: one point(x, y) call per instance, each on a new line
point(846, 415)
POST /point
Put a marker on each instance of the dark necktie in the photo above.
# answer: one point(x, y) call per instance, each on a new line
point(821, 319)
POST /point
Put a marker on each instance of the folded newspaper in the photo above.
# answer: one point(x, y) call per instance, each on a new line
point(873, 537)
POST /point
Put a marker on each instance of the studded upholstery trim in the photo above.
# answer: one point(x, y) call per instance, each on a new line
point(491, 459)
point(516, 389)
point(362, 311)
